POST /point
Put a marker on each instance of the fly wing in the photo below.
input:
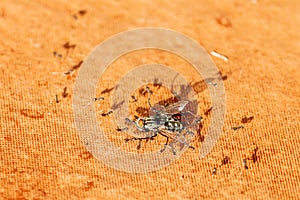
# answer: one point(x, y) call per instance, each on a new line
point(156, 109)
point(176, 107)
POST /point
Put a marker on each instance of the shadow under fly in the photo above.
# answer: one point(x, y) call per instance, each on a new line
point(166, 121)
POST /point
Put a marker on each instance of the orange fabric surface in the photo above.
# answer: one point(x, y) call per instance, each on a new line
point(41, 154)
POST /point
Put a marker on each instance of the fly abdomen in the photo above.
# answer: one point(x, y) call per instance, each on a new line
point(173, 124)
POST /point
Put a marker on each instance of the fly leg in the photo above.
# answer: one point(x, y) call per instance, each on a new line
point(176, 95)
point(130, 121)
point(140, 140)
point(167, 144)
point(189, 132)
point(184, 142)
point(172, 147)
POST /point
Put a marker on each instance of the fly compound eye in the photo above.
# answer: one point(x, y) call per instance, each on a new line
point(140, 122)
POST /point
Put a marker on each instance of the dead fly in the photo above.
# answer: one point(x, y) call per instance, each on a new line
point(165, 121)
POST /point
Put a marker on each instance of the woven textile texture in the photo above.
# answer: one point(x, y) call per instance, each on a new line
point(42, 44)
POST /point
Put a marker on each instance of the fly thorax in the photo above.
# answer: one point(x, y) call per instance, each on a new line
point(150, 123)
